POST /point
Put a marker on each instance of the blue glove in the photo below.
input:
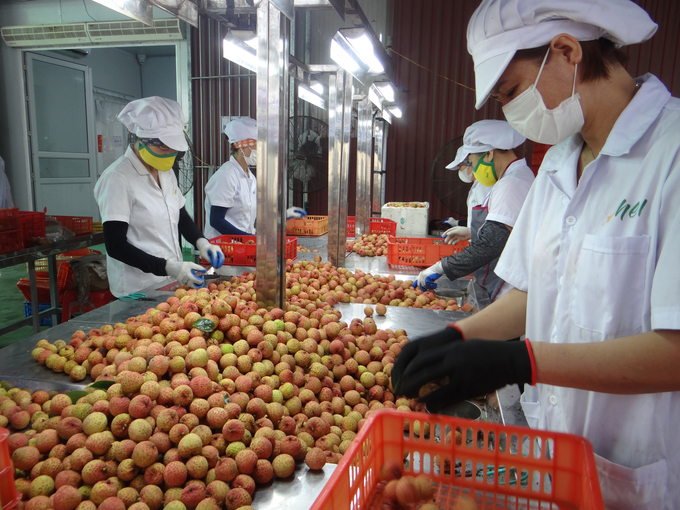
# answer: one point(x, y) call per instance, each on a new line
point(295, 212)
point(426, 278)
point(186, 273)
point(210, 252)
point(451, 222)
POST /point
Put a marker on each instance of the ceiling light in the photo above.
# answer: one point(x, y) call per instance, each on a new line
point(380, 93)
point(317, 87)
point(307, 94)
point(352, 49)
point(239, 52)
point(395, 110)
point(387, 116)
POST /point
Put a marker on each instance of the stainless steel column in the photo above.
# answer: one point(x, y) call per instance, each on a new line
point(378, 169)
point(364, 153)
point(339, 124)
point(273, 48)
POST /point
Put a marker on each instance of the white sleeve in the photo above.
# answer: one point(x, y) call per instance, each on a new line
point(664, 300)
point(506, 200)
point(113, 197)
point(515, 261)
point(222, 188)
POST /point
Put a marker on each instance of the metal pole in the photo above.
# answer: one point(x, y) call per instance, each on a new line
point(383, 164)
point(273, 31)
point(377, 169)
point(364, 141)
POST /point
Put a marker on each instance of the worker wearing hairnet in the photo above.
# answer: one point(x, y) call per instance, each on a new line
point(487, 156)
point(593, 256)
point(142, 207)
point(231, 193)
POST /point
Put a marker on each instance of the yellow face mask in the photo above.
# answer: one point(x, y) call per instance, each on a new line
point(161, 162)
point(485, 173)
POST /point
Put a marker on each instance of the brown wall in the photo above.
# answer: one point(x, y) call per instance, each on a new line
point(433, 34)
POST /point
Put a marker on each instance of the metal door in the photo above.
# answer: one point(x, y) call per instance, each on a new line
point(62, 136)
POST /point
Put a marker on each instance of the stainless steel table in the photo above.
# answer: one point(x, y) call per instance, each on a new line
point(49, 251)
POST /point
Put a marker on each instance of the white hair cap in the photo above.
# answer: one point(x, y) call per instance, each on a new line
point(156, 117)
point(487, 135)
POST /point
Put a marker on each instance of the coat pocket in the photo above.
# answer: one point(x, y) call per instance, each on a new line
point(624, 488)
point(610, 284)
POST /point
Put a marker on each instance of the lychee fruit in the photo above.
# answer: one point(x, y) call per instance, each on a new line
point(236, 498)
point(25, 458)
point(315, 458)
point(66, 498)
point(283, 465)
point(246, 460)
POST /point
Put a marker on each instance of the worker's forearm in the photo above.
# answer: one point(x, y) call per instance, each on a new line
point(644, 363)
point(488, 246)
point(503, 319)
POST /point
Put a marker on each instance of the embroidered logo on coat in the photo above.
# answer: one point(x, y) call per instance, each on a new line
point(627, 209)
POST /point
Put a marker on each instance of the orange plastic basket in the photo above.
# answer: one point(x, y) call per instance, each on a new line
point(496, 465)
point(417, 251)
point(9, 496)
point(378, 226)
point(42, 267)
point(76, 224)
point(308, 226)
point(9, 219)
point(238, 253)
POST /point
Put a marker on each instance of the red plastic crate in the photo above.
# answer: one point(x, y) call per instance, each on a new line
point(32, 224)
point(378, 226)
point(9, 496)
point(9, 219)
point(11, 240)
point(419, 251)
point(308, 226)
point(77, 224)
point(43, 285)
point(534, 468)
point(237, 253)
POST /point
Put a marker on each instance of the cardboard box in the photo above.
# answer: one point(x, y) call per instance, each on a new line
point(411, 220)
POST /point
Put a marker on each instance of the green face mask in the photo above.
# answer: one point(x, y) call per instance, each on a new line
point(161, 162)
point(484, 172)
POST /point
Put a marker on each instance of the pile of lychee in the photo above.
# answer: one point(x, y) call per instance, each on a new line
point(407, 492)
point(195, 416)
point(369, 245)
point(318, 283)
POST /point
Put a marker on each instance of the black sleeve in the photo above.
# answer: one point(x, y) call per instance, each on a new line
point(118, 247)
point(492, 239)
point(462, 223)
point(219, 223)
point(188, 228)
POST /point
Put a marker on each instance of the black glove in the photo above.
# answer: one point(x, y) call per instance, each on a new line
point(474, 367)
point(420, 345)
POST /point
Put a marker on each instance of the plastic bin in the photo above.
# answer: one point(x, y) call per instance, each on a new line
point(308, 226)
point(32, 224)
point(9, 219)
point(378, 226)
point(11, 240)
point(45, 321)
point(237, 253)
point(43, 285)
point(79, 225)
point(417, 251)
point(552, 468)
point(9, 496)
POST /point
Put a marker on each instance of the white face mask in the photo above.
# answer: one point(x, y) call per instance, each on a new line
point(252, 159)
point(528, 114)
point(465, 174)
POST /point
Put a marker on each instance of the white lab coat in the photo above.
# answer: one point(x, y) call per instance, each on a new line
point(230, 187)
point(126, 191)
point(600, 261)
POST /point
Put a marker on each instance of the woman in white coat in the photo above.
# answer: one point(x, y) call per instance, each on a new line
point(231, 193)
point(487, 156)
point(142, 207)
point(594, 254)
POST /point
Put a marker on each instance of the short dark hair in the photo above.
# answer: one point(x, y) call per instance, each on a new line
point(233, 149)
point(598, 57)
